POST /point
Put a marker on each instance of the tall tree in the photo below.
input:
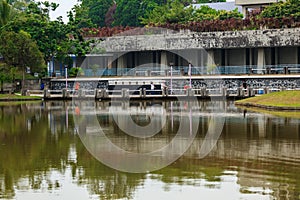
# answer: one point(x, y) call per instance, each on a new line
point(96, 10)
point(129, 13)
point(282, 9)
point(54, 38)
point(5, 12)
point(176, 12)
point(19, 50)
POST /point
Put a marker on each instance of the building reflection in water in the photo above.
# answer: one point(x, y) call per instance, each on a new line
point(258, 154)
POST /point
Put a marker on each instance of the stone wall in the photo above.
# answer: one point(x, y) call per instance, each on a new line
point(206, 40)
point(179, 83)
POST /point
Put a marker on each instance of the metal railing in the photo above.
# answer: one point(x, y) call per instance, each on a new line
point(147, 93)
point(198, 70)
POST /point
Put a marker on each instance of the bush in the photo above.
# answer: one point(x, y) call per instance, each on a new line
point(75, 71)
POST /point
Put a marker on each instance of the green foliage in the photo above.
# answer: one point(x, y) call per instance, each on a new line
point(176, 12)
point(127, 13)
point(54, 38)
point(94, 68)
point(5, 12)
point(222, 14)
point(19, 50)
point(100, 13)
point(4, 75)
point(282, 9)
point(78, 17)
point(95, 10)
point(75, 71)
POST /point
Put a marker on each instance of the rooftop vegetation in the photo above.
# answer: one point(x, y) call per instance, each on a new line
point(176, 16)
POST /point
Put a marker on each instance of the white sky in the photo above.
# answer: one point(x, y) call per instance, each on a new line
point(64, 7)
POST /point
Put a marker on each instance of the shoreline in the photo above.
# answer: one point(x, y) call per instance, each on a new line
point(284, 101)
point(267, 107)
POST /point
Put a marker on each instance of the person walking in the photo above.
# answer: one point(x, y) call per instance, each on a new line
point(152, 87)
point(77, 86)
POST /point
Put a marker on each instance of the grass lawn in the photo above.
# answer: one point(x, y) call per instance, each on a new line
point(16, 97)
point(275, 99)
point(288, 114)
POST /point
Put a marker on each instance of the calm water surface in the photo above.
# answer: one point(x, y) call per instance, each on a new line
point(257, 156)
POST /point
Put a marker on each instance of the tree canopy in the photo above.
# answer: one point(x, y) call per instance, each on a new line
point(176, 12)
point(5, 12)
point(20, 51)
point(102, 13)
point(54, 38)
point(282, 9)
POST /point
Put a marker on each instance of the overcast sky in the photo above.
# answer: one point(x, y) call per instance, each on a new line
point(64, 7)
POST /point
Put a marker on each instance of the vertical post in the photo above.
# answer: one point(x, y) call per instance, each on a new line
point(190, 74)
point(66, 75)
point(53, 66)
point(171, 81)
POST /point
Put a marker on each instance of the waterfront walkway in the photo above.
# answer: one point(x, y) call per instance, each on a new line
point(177, 87)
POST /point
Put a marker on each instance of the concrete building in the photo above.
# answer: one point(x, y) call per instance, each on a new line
point(235, 49)
point(228, 6)
point(254, 4)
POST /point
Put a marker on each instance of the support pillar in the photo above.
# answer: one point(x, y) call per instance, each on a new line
point(261, 60)
point(164, 59)
point(211, 57)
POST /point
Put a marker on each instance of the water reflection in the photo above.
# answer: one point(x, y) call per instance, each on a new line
point(41, 157)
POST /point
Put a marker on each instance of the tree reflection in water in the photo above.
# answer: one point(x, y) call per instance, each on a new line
point(38, 139)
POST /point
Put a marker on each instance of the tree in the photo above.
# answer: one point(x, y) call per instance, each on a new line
point(176, 12)
point(5, 12)
point(109, 16)
point(130, 13)
point(127, 13)
point(19, 50)
point(95, 10)
point(79, 17)
point(54, 38)
point(282, 9)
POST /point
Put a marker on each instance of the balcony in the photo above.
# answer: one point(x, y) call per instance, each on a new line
point(255, 2)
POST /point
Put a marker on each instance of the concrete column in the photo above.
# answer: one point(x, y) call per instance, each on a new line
point(276, 55)
point(136, 59)
point(164, 59)
point(226, 56)
point(198, 58)
point(244, 56)
point(296, 56)
point(109, 62)
point(244, 11)
point(81, 93)
point(261, 58)
point(125, 93)
point(211, 58)
point(157, 59)
point(122, 62)
point(46, 94)
point(74, 61)
point(250, 56)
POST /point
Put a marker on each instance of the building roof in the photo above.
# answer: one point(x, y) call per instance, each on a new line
point(219, 6)
point(255, 2)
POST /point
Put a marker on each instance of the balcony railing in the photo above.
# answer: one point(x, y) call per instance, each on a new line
point(199, 70)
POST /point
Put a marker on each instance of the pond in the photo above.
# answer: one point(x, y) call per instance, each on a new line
point(168, 150)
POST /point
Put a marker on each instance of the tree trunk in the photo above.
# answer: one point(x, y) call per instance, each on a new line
point(1, 86)
point(23, 92)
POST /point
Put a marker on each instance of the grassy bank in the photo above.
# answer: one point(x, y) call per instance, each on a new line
point(14, 97)
point(286, 100)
